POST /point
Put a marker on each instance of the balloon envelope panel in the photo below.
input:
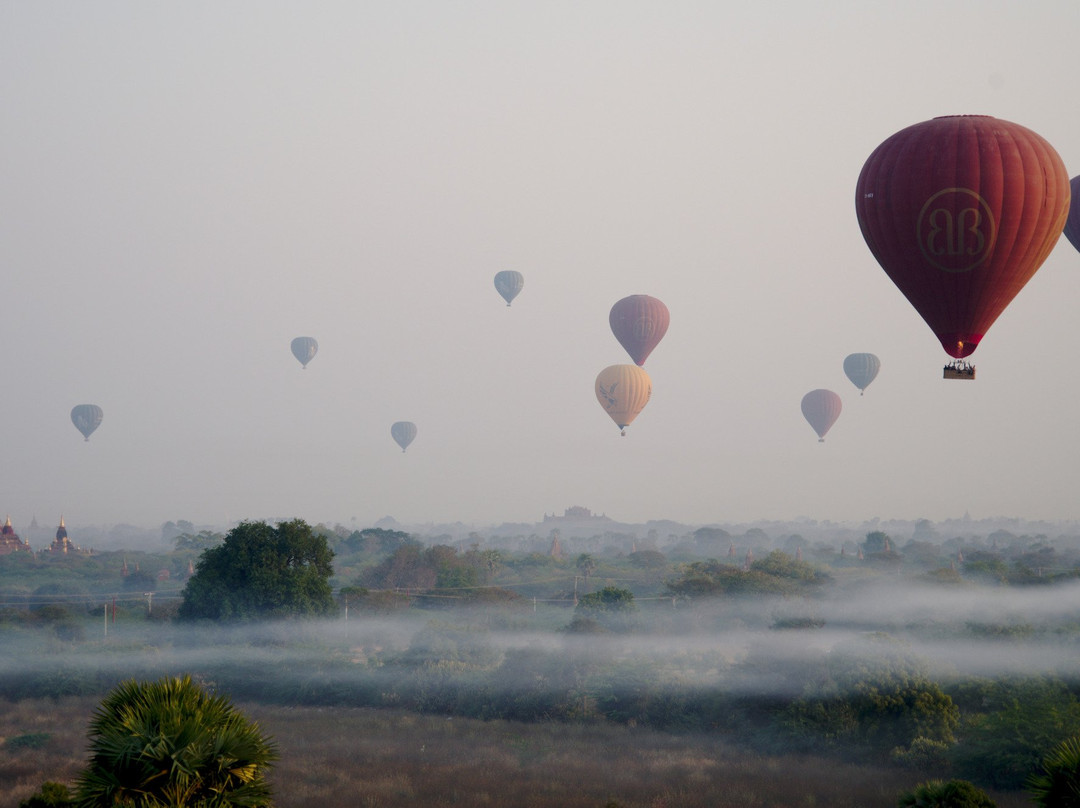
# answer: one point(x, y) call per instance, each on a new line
point(639, 322)
point(623, 391)
point(87, 418)
point(403, 433)
point(960, 212)
point(861, 369)
point(304, 349)
point(821, 408)
point(509, 284)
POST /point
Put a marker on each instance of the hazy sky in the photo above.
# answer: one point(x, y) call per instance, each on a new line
point(185, 187)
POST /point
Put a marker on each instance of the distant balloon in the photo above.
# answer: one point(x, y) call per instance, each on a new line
point(304, 349)
point(623, 391)
point(639, 322)
point(87, 418)
point(509, 284)
point(821, 408)
point(1072, 223)
point(960, 212)
point(861, 368)
point(403, 433)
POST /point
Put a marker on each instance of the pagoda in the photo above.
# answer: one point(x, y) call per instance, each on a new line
point(10, 541)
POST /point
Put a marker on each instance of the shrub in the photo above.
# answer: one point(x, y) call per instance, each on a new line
point(50, 795)
point(940, 794)
point(1058, 784)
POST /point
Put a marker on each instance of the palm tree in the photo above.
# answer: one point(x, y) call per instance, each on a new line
point(1058, 784)
point(169, 743)
point(940, 794)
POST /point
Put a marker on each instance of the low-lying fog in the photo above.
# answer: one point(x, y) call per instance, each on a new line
point(732, 644)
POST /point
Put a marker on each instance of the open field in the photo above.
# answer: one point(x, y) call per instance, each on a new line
point(373, 758)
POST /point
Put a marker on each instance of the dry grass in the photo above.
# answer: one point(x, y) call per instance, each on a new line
point(384, 759)
point(23, 768)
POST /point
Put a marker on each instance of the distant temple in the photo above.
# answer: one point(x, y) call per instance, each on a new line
point(60, 543)
point(10, 541)
point(556, 548)
point(574, 512)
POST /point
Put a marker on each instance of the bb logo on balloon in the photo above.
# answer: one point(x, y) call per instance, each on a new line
point(956, 230)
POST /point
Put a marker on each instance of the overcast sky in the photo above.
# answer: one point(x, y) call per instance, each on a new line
point(185, 187)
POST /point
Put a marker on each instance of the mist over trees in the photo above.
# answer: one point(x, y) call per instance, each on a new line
point(945, 658)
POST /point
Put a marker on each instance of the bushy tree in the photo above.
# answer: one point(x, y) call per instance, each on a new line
point(611, 608)
point(873, 697)
point(1057, 785)
point(169, 743)
point(262, 571)
point(440, 566)
point(50, 795)
point(942, 794)
point(1019, 720)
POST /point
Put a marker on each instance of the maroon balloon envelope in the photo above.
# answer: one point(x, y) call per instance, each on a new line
point(961, 211)
point(639, 322)
point(1072, 222)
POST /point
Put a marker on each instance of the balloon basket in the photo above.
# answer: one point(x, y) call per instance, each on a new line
point(959, 370)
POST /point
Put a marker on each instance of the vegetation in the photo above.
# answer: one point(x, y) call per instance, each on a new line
point(951, 794)
point(606, 638)
point(50, 795)
point(1057, 784)
point(262, 571)
point(394, 758)
point(169, 743)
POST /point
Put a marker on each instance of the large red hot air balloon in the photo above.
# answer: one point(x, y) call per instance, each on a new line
point(961, 211)
point(639, 322)
point(1072, 221)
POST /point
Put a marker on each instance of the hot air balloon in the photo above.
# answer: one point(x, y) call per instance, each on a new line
point(87, 418)
point(509, 284)
point(1072, 221)
point(821, 408)
point(403, 433)
point(961, 211)
point(861, 368)
point(639, 322)
point(623, 391)
point(304, 349)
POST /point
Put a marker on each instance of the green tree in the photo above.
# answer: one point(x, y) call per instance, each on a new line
point(197, 541)
point(942, 794)
point(262, 571)
point(877, 541)
point(610, 608)
point(586, 565)
point(873, 696)
point(50, 795)
point(1017, 721)
point(1058, 784)
point(169, 744)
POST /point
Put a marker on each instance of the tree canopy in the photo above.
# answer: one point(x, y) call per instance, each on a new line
point(262, 571)
point(170, 743)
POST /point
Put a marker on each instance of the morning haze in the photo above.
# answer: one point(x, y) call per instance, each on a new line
point(186, 189)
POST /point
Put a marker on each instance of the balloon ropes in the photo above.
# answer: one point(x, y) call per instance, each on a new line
point(960, 212)
point(861, 369)
point(509, 284)
point(304, 349)
point(623, 391)
point(821, 408)
point(87, 418)
point(639, 322)
point(403, 433)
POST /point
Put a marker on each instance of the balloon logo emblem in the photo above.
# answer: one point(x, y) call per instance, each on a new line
point(956, 230)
